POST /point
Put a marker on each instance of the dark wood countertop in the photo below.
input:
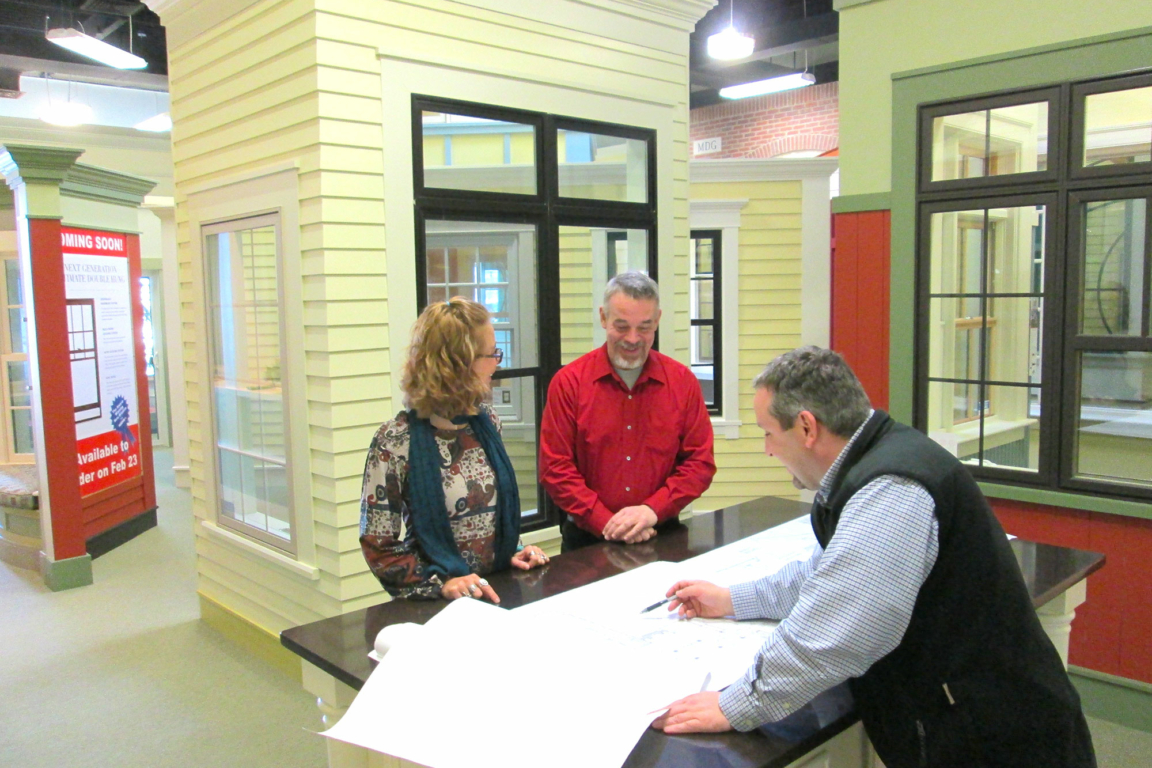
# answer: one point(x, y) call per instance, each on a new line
point(340, 645)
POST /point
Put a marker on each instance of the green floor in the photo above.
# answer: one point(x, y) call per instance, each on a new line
point(122, 673)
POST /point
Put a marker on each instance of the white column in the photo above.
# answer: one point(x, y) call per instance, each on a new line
point(1056, 616)
point(173, 346)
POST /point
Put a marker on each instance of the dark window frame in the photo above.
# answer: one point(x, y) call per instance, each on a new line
point(716, 407)
point(545, 209)
point(1065, 185)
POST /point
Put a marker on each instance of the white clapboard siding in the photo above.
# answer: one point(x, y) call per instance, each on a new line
point(770, 313)
point(298, 83)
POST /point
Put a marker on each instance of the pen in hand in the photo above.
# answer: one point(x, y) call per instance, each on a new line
point(654, 606)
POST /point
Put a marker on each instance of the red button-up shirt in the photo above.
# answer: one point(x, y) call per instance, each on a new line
point(603, 447)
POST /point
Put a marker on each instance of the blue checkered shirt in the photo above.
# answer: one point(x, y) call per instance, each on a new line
point(844, 608)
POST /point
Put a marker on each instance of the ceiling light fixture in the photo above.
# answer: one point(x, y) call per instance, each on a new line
point(771, 85)
point(67, 114)
point(98, 50)
point(728, 44)
point(160, 123)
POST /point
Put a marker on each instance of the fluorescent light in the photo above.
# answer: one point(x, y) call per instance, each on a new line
point(771, 85)
point(730, 44)
point(66, 113)
point(78, 42)
point(160, 123)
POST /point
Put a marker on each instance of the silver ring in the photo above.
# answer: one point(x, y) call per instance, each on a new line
point(473, 588)
point(483, 582)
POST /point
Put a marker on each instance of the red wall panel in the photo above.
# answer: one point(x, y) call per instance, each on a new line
point(56, 401)
point(860, 291)
point(1113, 629)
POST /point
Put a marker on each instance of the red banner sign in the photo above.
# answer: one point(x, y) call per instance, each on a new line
point(107, 459)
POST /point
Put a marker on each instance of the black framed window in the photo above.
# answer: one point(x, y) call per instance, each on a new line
point(529, 214)
point(705, 343)
point(1034, 285)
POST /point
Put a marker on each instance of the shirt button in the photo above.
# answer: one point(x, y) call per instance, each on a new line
point(629, 427)
point(628, 458)
point(627, 487)
point(629, 397)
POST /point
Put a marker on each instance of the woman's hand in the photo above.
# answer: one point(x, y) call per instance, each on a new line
point(468, 586)
point(700, 598)
point(529, 558)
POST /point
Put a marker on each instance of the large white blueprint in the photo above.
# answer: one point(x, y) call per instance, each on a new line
point(475, 686)
point(475, 690)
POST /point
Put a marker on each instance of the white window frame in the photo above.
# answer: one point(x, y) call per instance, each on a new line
point(272, 189)
point(724, 215)
point(8, 436)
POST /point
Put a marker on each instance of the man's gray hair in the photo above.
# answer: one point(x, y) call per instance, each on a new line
point(635, 285)
point(818, 381)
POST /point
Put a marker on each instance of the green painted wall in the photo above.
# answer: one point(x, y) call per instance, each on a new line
point(883, 37)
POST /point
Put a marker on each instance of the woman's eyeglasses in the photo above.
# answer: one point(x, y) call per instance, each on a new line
point(498, 356)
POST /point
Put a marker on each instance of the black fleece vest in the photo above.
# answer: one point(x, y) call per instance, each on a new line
point(975, 682)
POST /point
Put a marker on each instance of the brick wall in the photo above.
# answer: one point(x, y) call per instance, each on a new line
point(771, 125)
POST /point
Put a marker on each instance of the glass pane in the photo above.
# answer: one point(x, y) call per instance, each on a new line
point(956, 247)
point(1112, 293)
point(515, 403)
point(942, 338)
point(995, 142)
point(703, 293)
point(1012, 428)
point(958, 145)
point(12, 281)
point(585, 269)
point(494, 264)
point(231, 485)
point(1014, 341)
point(249, 405)
point(1019, 139)
point(1118, 127)
point(703, 337)
point(274, 481)
point(1016, 249)
point(601, 167)
point(953, 419)
point(472, 153)
point(22, 430)
point(18, 394)
point(17, 331)
point(702, 252)
point(1114, 427)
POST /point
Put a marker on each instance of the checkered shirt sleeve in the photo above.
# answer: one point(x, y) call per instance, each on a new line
point(844, 609)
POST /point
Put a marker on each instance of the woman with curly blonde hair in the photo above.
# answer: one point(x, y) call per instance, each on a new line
point(440, 508)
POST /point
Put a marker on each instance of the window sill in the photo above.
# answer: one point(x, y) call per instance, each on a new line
point(729, 429)
point(251, 548)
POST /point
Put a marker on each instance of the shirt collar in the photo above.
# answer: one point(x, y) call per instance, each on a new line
point(830, 475)
point(653, 367)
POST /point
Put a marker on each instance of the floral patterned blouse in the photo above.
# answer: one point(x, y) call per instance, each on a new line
point(387, 537)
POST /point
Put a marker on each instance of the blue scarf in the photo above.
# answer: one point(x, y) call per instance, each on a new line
point(429, 510)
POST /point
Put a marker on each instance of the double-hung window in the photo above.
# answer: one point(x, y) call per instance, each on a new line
point(246, 350)
point(530, 215)
point(705, 340)
point(1034, 352)
point(16, 437)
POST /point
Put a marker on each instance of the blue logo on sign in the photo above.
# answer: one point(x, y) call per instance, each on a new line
point(119, 418)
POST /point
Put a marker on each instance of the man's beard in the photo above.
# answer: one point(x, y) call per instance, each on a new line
point(629, 365)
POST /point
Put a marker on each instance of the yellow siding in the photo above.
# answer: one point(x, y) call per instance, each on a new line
point(299, 83)
point(769, 312)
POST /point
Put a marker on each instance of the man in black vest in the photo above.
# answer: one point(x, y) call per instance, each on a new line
point(913, 595)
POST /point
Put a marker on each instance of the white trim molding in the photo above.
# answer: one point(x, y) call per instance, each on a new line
point(725, 216)
point(253, 549)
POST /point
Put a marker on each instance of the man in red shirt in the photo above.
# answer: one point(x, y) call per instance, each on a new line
point(625, 442)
